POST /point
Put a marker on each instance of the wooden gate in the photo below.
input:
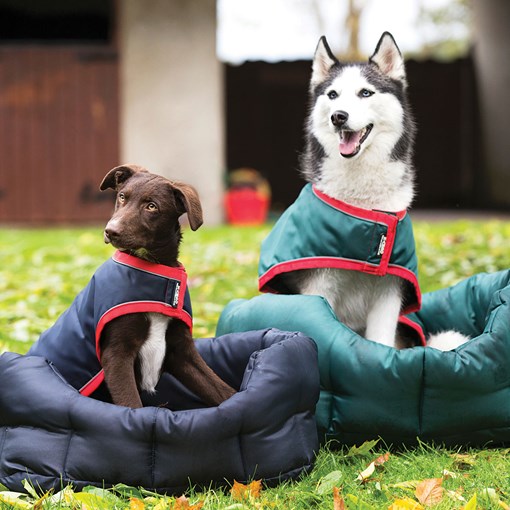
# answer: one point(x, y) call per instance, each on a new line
point(59, 132)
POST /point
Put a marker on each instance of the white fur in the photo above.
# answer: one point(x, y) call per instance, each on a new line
point(152, 353)
point(370, 305)
point(446, 340)
point(371, 179)
point(367, 304)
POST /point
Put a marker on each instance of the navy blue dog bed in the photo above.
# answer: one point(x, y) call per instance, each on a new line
point(53, 436)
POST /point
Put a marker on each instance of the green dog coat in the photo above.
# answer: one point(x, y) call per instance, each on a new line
point(318, 231)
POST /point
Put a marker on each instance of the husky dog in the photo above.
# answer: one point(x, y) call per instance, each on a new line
point(359, 142)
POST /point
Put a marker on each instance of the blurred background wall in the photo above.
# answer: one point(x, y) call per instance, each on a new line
point(194, 89)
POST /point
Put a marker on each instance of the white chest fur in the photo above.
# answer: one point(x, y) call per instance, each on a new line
point(368, 304)
point(152, 353)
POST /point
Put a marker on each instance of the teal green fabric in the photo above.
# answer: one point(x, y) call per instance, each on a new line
point(369, 390)
point(320, 231)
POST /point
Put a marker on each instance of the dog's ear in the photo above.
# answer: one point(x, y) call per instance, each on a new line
point(118, 175)
point(388, 59)
point(188, 200)
point(323, 61)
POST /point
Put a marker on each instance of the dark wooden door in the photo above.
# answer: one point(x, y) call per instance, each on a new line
point(58, 132)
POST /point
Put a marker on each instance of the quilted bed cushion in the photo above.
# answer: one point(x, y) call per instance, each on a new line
point(369, 390)
point(53, 436)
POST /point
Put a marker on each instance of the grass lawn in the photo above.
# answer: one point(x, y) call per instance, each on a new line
point(42, 270)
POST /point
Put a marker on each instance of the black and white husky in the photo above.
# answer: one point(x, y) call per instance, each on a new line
point(359, 142)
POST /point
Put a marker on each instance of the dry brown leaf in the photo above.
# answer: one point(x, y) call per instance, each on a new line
point(241, 491)
point(369, 471)
point(182, 503)
point(430, 492)
point(338, 501)
point(382, 459)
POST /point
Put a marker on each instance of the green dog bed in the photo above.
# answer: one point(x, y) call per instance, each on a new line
point(369, 390)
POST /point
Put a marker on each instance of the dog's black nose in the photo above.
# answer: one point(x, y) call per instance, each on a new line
point(109, 235)
point(339, 118)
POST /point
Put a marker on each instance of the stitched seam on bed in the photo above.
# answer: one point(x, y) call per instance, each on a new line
point(153, 448)
point(2, 440)
point(64, 473)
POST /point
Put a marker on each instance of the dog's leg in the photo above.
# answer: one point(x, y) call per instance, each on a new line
point(121, 341)
point(383, 316)
point(185, 363)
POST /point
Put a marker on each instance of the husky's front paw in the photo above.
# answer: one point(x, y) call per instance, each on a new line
point(446, 340)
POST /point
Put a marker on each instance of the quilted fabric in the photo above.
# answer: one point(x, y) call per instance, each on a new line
point(53, 436)
point(369, 390)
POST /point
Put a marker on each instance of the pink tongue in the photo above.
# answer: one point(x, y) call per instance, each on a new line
point(349, 142)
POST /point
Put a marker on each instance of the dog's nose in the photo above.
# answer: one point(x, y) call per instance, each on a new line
point(110, 234)
point(107, 236)
point(339, 118)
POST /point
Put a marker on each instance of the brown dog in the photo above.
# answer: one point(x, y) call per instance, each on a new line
point(133, 319)
point(136, 347)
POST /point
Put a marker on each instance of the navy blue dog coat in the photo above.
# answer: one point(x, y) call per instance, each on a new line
point(123, 284)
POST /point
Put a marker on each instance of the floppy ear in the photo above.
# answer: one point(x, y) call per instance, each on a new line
point(118, 175)
point(189, 201)
point(323, 61)
point(388, 59)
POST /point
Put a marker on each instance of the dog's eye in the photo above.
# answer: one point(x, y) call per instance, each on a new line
point(365, 93)
point(121, 197)
point(332, 94)
point(151, 206)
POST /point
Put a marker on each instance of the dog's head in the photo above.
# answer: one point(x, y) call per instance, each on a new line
point(357, 106)
point(147, 210)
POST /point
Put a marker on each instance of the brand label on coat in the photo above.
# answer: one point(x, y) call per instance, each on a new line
point(382, 245)
point(175, 300)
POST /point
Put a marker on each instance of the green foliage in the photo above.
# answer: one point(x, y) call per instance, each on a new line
point(42, 270)
point(450, 252)
point(461, 477)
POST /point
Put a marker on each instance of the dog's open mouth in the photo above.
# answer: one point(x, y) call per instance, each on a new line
point(351, 141)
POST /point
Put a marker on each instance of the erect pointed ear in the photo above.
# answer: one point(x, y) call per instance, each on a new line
point(118, 175)
point(187, 198)
point(388, 59)
point(323, 61)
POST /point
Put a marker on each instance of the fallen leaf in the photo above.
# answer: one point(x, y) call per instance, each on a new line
point(382, 459)
point(455, 495)
point(127, 491)
point(408, 484)
point(14, 500)
point(241, 491)
point(471, 504)
point(326, 484)
point(182, 503)
point(369, 471)
point(405, 504)
point(364, 449)
point(430, 491)
point(464, 460)
point(366, 473)
point(136, 504)
point(338, 501)
point(449, 474)
point(162, 504)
